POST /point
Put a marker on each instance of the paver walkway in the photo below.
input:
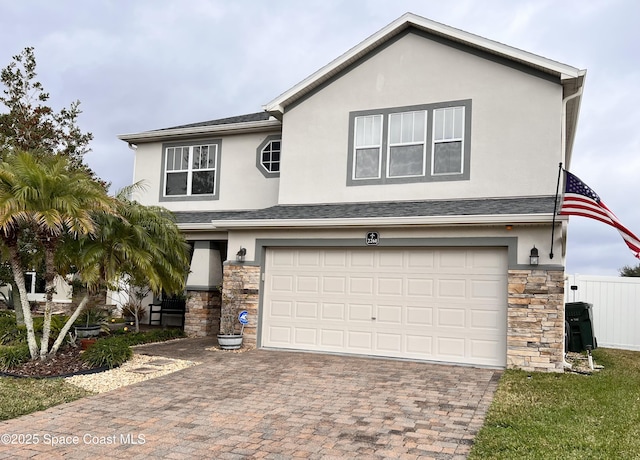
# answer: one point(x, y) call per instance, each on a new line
point(268, 404)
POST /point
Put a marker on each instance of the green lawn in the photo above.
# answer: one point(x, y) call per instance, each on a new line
point(23, 396)
point(566, 416)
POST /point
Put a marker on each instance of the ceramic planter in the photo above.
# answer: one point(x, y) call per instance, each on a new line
point(230, 341)
point(88, 331)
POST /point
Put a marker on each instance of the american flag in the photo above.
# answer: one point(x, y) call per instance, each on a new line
point(580, 200)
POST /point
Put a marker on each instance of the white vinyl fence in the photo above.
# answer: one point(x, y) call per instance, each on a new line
point(616, 307)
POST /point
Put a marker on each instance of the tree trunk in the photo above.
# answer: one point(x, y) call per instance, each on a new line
point(68, 324)
point(50, 289)
point(17, 306)
point(18, 277)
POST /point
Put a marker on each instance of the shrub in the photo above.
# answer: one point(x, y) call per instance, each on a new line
point(13, 355)
point(110, 352)
point(137, 338)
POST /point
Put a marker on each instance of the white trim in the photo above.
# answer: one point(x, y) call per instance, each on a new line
point(229, 128)
point(564, 71)
point(513, 219)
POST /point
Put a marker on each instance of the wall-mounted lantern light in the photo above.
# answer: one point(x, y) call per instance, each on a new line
point(240, 254)
point(534, 258)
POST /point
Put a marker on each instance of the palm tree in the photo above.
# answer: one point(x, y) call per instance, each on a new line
point(142, 243)
point(45, 196)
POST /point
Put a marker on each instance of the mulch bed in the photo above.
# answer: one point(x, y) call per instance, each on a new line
point(66, 362)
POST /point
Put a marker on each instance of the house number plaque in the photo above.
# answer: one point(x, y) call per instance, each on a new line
point(373, 238)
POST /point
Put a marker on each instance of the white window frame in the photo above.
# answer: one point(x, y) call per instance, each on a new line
point(446, 140)
point(271, 161)
point(191, 169)
point(390, 140)
point(377, 146)
point(423, 141)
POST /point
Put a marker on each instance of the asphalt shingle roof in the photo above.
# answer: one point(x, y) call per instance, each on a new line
point(472, 207)
point(258, 116)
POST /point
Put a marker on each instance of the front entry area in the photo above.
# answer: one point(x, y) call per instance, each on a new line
point(436, 304)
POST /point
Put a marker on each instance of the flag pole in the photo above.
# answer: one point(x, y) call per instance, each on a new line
point(555, 210)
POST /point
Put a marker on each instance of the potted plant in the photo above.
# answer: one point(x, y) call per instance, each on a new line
point(91, 322)
point(231, 330)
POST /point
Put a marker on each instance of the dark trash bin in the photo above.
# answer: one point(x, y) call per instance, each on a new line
point(579, 320)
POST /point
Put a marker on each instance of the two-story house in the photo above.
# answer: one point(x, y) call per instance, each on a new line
point(388, 205)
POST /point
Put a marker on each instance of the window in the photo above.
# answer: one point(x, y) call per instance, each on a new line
point(368, 147)
point(268, 156)
point(448, 129)
point(191, 170)
point(407, 137)
point(410, 144)
point(271, 156)
point(34, 284)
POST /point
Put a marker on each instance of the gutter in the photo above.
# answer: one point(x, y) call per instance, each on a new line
point(512, 219)
point(230, 128)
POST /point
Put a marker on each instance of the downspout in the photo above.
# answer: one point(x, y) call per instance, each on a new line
point(565, 101)
point(133, 147)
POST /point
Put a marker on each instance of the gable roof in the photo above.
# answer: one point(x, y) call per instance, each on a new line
point(278, 105)
point(571, 78)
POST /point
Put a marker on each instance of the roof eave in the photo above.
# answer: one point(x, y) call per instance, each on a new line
point(385, 222)
point(218, 130)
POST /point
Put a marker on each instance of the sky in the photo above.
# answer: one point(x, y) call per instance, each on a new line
point(137, 65)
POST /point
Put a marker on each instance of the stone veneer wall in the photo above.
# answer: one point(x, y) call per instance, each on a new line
point(535, 320)
point(202, 316)
point(247, 277)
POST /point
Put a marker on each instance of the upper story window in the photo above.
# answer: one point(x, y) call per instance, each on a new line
point(191, 170)
point(410, 144)
point(268, 156)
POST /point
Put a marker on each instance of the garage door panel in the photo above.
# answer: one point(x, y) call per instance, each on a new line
point(333, 311)
point(419, 287)
point(305, 336)
point(391, 260)
point(281, 309)
point(419, 315)
point(279, 335)
point(419, 346)
point(484, 350)
point(309, 258)
point(452, 288)
point(390, 286)
point(362, 259)
point(451, 347)
point(389, 315)
point(334, 285)
point(361, 286)
point(487, 289)
point(451, 317)
point(306, 310)
point(308, 284)
point(360, 312)
point(387, 342)
point(485, 319)
point(335, 258)
point(360, 340)
point(441, 304)
point(332, 339)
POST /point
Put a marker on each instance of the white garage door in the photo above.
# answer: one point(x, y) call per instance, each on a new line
point(443, 304)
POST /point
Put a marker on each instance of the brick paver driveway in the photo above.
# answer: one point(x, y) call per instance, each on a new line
point(270, 404)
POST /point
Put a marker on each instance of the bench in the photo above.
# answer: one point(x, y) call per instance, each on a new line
point(167, 308)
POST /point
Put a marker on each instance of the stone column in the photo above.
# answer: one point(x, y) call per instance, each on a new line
point(535, 320)
point(202, 316)
point(245, 278)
